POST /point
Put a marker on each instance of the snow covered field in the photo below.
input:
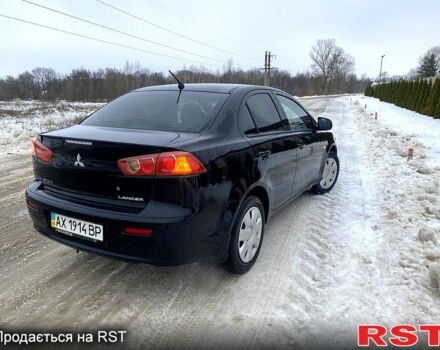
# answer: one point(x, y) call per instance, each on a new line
point(21, 120)
point(364, 253)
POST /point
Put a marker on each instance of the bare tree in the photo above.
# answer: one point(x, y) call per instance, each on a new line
point(331, 63)
point(25, 86)
point(342, 65)
point(321, 55)
point(43, 77)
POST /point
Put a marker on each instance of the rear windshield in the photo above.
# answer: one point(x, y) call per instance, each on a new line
point(159, 110)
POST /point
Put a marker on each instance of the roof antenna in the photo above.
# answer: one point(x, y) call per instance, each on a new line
point(180, 85)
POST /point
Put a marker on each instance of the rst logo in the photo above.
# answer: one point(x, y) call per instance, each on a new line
point(402, 335)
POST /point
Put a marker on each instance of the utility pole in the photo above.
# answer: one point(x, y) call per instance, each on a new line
point(380, 72)
point(268, 66)
point(266, 77)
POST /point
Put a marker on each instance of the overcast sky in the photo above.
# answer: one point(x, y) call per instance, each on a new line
point(402, 30)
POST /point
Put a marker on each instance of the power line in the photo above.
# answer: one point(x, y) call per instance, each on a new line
point(106, 41)
point(120, 31)
point(199, 25)
point(172, 31)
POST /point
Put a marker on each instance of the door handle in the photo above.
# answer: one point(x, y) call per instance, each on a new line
point(264, 154)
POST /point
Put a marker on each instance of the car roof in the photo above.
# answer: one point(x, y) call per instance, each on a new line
point(214, 87)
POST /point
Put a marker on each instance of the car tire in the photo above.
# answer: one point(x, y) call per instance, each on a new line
point(329, 175)
point(247, 236)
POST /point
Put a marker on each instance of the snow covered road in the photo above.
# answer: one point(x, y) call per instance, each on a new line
point(327, 263)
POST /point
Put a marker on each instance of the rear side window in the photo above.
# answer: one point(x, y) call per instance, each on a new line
point(264, 112)
point(159, 110)
point(297, 117)
point(245, 122)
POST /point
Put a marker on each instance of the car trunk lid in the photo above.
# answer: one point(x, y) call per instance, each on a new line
point(84, 162)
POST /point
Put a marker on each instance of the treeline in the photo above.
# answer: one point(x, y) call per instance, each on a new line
point(105, 84)
point(421, 95)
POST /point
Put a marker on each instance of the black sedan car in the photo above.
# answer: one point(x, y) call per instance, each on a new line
point(169, 175)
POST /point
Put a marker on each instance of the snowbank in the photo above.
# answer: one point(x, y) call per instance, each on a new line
point(425, 129)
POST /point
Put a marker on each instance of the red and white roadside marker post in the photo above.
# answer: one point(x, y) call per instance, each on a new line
point(410, 154)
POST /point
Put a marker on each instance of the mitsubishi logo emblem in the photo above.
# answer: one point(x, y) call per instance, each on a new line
point(78, 161)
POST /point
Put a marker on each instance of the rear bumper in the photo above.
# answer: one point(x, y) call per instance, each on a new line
point(179, 235)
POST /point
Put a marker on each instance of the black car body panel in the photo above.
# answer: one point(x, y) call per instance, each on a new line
point(191, 216)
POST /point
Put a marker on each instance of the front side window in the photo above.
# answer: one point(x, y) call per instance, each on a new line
point(264, 113)
point(297, 117)
point(159, 111)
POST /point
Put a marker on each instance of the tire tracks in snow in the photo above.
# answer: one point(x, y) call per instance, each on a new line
point(335, 243)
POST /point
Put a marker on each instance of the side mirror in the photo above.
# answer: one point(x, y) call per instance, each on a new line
point(324, 124)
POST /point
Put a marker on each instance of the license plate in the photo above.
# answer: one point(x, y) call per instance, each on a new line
point(71, 226)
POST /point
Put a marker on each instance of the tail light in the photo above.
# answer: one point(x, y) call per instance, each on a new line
point(40, 151)
point(137, 166)
point(162, 164)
